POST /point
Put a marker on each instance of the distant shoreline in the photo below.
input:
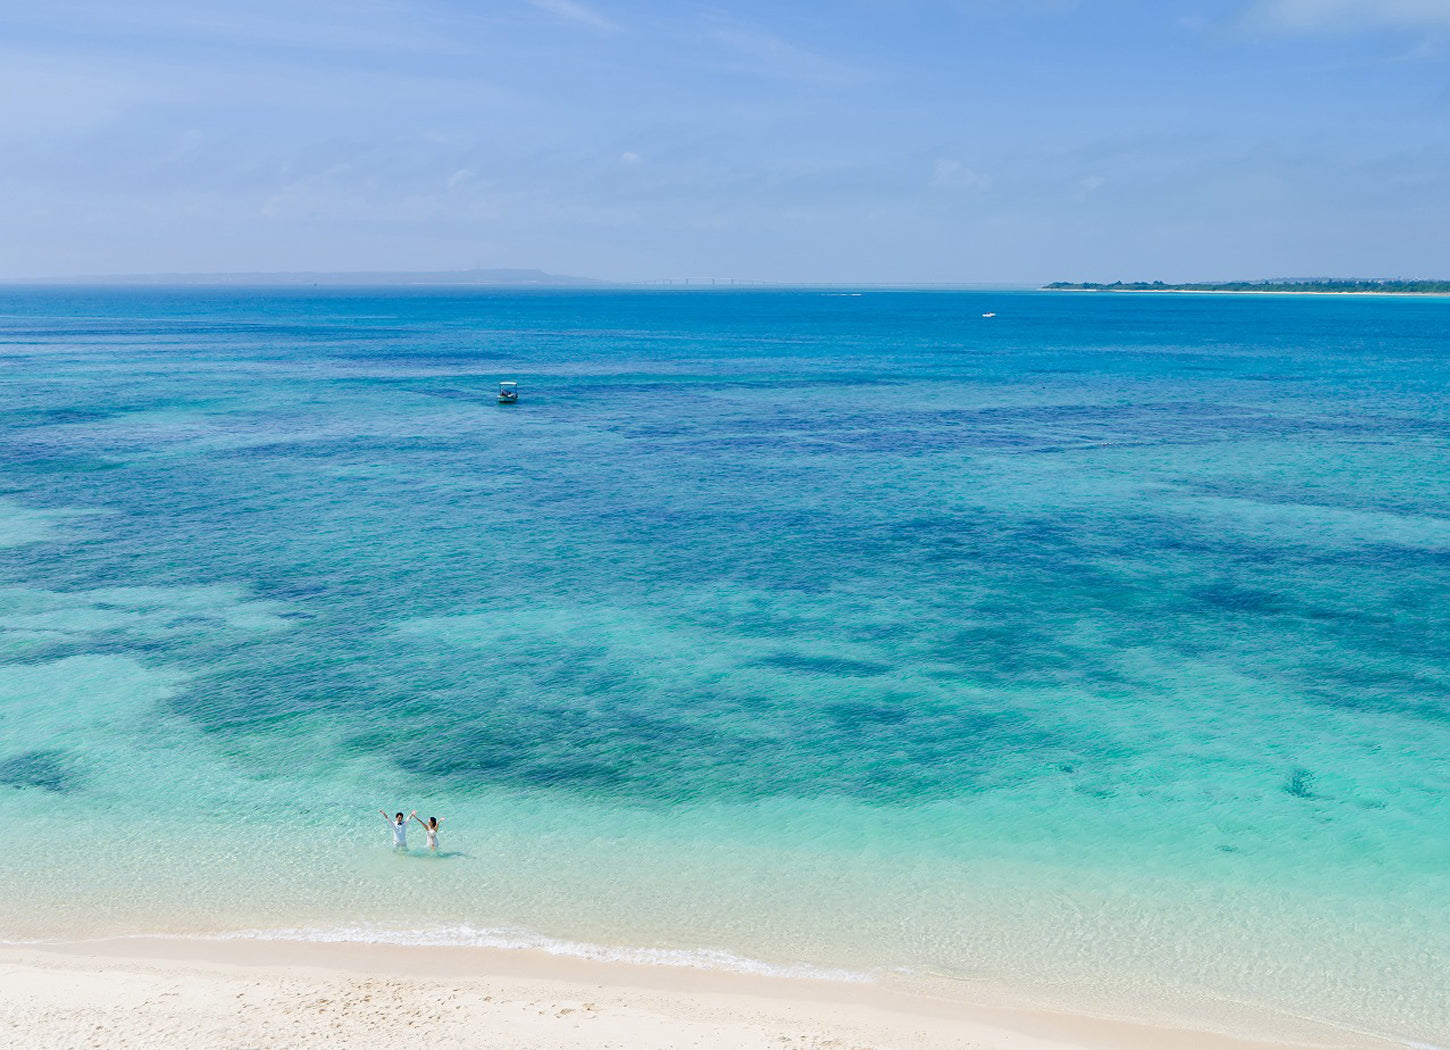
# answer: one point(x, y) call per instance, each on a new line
point(480, 278)
point(1245, 291)
point(1328, 287)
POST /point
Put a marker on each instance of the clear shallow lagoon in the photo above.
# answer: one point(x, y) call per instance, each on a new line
point(1102, 646)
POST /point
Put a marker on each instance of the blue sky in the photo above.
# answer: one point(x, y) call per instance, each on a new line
point(862, 140)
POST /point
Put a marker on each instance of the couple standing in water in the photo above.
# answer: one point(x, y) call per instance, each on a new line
point(400, 829)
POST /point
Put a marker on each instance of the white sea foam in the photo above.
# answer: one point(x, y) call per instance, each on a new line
point(463, 935)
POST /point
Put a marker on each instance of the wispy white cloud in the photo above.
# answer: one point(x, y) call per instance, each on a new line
point(953, 174)
point(579, 14)
point(1348, 15)
point(36, 98)
point(1016, 7)
point(756, 51)
point(339, 26)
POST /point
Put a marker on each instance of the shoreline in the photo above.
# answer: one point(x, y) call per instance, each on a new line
point(1247, 291)
point(163, 992)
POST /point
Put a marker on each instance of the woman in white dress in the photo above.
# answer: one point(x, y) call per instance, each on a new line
point(430, 828)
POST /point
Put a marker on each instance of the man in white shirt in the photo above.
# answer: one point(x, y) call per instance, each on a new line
point(400, 828)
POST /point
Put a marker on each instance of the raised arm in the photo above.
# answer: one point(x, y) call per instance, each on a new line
point(419, 819)
point(384, 814)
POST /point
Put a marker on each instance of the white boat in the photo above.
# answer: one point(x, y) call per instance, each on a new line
point(508, 392)
point(989, 315)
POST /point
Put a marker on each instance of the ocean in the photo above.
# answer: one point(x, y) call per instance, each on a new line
point(1100, 647)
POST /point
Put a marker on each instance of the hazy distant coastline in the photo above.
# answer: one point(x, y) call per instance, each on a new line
point(1328, 286)
point(371, 278)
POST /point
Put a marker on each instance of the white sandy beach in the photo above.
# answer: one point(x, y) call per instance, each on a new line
point(235, 995)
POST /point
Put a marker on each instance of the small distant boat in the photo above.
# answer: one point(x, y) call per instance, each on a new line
point(989, 315)
point(508, 392)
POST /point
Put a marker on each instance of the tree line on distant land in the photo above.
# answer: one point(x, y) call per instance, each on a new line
point(1384, 286)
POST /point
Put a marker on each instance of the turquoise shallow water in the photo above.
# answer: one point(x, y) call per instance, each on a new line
point(1099, 647)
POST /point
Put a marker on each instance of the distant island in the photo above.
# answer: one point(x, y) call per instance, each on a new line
point(1321, 285)
point(489, 278)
